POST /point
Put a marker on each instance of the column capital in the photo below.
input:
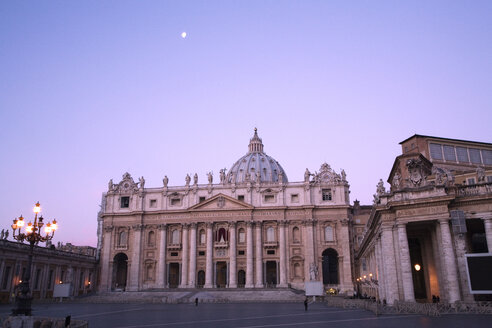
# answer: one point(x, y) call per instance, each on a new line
point(232, 224)
point(193, 225)
point(108, 228)
point(400, 225)
point(185, 225)
point(138, 227)
point(443, 220)
point(487, 218)
point(209, 225)
point(282, 223)
point(386, 228)
point(162, 226)
point(250, 224)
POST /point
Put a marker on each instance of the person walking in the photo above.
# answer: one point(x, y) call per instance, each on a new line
point(305, 304)
point(196, 301)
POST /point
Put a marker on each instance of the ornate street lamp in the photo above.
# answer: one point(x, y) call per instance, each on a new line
point(33, 235)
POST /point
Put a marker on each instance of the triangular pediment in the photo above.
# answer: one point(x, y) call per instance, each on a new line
point(220, 202)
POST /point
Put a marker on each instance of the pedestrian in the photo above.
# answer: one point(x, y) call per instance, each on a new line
point(305, 304)
point(196, 301)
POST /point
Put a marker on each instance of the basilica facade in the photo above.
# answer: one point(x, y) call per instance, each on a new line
point(251, 229)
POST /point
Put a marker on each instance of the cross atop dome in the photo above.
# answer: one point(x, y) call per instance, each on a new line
point(255, 143)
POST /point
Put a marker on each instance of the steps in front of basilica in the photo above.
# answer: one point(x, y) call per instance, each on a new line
point(178, 296)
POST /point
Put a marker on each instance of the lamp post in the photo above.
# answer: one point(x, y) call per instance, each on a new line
point(32, 235)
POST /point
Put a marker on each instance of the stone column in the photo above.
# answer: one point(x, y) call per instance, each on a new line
point(380, 274)
point(389, 264)
point(487, 222)
point(136, 252)
point(309, 249)
point(161, 269)
point(348, 283)
point(283, 255)
point(184, 258)
point(259, 257)
point(106, 271)
point(249, 255)
point(232, 255)
point(209, 265)
point(406, 264)
point(192, 271)
point(449, 263)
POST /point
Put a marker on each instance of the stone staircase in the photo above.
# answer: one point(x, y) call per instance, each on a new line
point(178, 296)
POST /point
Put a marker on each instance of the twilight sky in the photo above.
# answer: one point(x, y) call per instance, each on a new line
point(92, 89)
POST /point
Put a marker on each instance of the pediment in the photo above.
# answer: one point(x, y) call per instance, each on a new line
point(221, 202)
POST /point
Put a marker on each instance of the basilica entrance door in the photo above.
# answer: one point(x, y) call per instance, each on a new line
point(221, 274)
point(120, 267)
point(241, 278)
point(271, 273)
point(201, 278)
point(173, 275)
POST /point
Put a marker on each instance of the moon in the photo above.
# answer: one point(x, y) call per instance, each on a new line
point(183, 35)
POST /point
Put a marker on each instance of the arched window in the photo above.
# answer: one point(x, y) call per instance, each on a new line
point(202, 237)
point(296, 235)
point(122, 238)
point(151, 239)
point(221, 235)
point(175, 237)
point(329, 234)
point(242, 235)
point(270, 234)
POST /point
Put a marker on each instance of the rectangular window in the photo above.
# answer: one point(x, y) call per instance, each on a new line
point(240, 198)
point(449, 153)
point(125, 202)
point(462, 153)
point(475, 156)
point(240, 252)
point(269, 198)
point(175, 201)
point(489, 178)
point(471, 181)
point(201, 253)
point(271, 252)
point(487, 156)
point(326, 194)
point(6, 277)
point(201, 199)
point(174, 253)
point(364, 265)
point(435, 151)
point(294, 198)
point(153, 203)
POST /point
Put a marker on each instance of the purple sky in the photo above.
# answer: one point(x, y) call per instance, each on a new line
point(92, 89)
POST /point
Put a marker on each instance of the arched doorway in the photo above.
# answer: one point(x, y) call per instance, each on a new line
point(330, 266)
point(201, 279)
point(221, 274)
point(241, 278)
point(271, 273)
point(120, 268)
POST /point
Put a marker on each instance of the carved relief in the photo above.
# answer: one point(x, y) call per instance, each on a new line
point(417, 172)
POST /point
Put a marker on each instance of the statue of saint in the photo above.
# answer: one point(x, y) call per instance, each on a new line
point(195, 179)
point(480, 174)
point(6, 234)
point(142, 182)
point(187, 180)
point(2, 234)
point(397, 178)
point(307, 174)
point(344, 175)
point(165, 181)
point(222, 176)
point(313, 272)
point(210, 177)
point(380, 189)
point(110, 185)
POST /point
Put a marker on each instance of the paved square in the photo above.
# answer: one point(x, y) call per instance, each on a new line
point(242, 315)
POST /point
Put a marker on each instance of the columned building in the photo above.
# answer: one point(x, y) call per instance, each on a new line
point(420, 233)
point(251, 229)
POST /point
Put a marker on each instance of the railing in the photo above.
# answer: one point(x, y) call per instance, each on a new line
point(476, 189)
point(402, 307)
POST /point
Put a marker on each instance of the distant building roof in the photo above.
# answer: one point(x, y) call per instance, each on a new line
point(447, 139)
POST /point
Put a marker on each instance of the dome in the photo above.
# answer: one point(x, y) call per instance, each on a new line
point(256, 161)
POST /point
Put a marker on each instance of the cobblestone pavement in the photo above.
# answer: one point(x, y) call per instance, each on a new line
point(242, 315)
